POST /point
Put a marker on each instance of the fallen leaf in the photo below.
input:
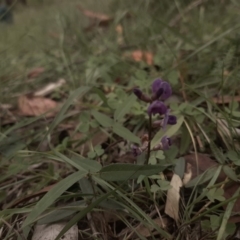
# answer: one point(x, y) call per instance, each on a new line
point(35, 106)
point(139, 55)
point(119, 30)
point(143, 230)
point(35, 72)
point(50, 232)
point(102, 18)
point(173, 197)
point(146, 232)
point(199, 165)
point(96, 139)
point(204, 163)
point(148, 56)
point(225, 99)
point(49, 88)
point(188, 174)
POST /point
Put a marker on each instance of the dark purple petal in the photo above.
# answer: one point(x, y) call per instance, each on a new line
point(161, 89)
point(156, 85)
point(167, 90)
point(158, 94)
point(172, 120)
point(137, 92)
point(135, 150)
point(166, 143)
point(157, 107)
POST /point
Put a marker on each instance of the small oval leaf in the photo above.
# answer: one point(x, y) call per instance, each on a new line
point(103, 119)
point(125, 133)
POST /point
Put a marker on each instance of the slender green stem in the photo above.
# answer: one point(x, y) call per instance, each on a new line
point(149, 137)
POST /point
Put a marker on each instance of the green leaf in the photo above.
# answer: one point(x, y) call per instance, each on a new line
point(215, 221)
point(86, 187)
point(226, 216)
point(152, 160)
point(217, 153)
point(61, 114)
point(91, 154)
point(202, 178)
point(103, 119)
point(230, 173)
point(125, 133)
point(219, 195)
point(180, 167)
point(211, 194)
point(185, 141)
point(100, 93)
point(122, 172)
point(234, 157)
point(164, 185)
point(173, 77)
point(51, 196)
point(155, 188)
point(124, 108)
point(169, 132)
point(84, 127)
point(62, 213)
point(79, 162)
point(89, 165)
point(171, 153)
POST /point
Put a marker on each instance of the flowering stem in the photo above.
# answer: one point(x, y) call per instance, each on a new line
point(149, 137)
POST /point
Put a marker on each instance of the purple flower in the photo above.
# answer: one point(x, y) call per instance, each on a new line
point(143, 97)
point(172, 120)
point(135, 150)
point(167, 90)
point(166, 143)
point(157, 107)
point(169, 119)
point(137, 92)
point(156, 85)
point(161, 89)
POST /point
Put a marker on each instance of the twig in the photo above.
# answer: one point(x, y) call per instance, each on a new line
point(149, 137)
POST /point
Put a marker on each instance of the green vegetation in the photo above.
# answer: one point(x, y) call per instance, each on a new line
point(75, 163)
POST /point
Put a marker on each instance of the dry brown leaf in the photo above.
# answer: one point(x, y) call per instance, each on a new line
point(97, 139)
point(103, 18)
point(173, 197)
point(119, 30)
point(226, 99)
point(49, 88)
point(139, 55)
point(35, 72)
point(146, 232)
point(50, 232)
point(188, 174)
point(148, 58)
point(35, 106)
point(204, 163)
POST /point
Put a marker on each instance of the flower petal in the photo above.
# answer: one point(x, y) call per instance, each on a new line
point(157, 107)
point(166, 143)
point(167, 90)
point(135, 150)
point(156, 85)
point(137, 92)
point(172, 120)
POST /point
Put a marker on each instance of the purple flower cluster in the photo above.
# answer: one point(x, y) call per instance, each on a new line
point(161, 91)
